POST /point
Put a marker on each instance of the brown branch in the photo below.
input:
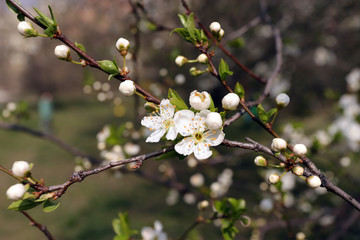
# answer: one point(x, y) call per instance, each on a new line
point(72, 150)
point(59, 190)
point(41, 227)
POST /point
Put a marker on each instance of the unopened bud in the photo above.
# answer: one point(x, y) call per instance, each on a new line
point(181, 60)
point(21, 169)
point(274, 178)
point(278, 144)
point(230, 101)
point(62, 52)
point(127, 87)
point(122, 45)
point(16, 192)
point(214, 121)
point(199, 101)
point(313, 181)
point(26, 29)
point(215, 27)
point(282, 100)
point(298, 170)
point(202, 58)
point(203, 205)
point(260, 161)
point(150, 107)
point(300, 149)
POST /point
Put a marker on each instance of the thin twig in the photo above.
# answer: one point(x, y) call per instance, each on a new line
point(41, 227)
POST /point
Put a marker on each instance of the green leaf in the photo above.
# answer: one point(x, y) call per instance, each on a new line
point(122, 227)
point(50, 206)
point(272, 112)
point(212, 107)
point(51, 30)
point(43, 19)
point(23, 205)
point(21, 17)
point(183, 19)
point(190, 26)
point(176, 100)
point(183, 33)
point(52, 14)
point(109, 67)
point(12, 7)
point(262, 113)
point(79, 45)
point(239, 90)
point(224, 70)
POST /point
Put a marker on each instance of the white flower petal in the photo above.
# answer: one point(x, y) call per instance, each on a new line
point(151, 122)
point(215, 137)
point(167, 107)
point(183, 122)
point(156, 135)
point(185, 147)
point(202, 151)
point(171, 134)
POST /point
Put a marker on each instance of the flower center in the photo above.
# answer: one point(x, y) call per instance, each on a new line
point(198, 136)
point(201, 95)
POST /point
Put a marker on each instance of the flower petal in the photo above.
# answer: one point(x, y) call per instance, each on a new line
point(183, 122)
point(214, 137)
point(171, 134)
point(152, 122)
point(167, 108)
point(156, 135)
point(185, 147)
point(202, 151)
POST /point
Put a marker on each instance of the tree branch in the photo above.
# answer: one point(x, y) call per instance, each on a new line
point(41, 227)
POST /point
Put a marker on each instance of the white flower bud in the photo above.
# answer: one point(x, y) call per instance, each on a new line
point(16, 192)
point(221, 33)
point(122, 46)
point(199, 101)
point(202, 58)
point(26, 29)
point(203, 205)
point(127, 87)
point(181, 60)
point(274, 178)
point(278, 144)
point(62, 52)
point(300, 149)
point(215, 27)
point(282, 100)
point(230, 101)
point(313, 181)
point(214, 121)
point(260, 161)
point(21, 168)
point(298, 170)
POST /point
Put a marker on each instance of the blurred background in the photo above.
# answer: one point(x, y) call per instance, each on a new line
point(320, 73)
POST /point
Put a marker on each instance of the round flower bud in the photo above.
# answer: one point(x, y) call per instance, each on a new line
point(230, 101)
point(278, 144)
point(274, 178)
point(260, 161)
point(221, 33)
point(122, 45)
point(202, 58)
point(21, 169)
point(215, 27)
point(127, 87)
point(16, 192)
point(300, 149)
point(62, 52)
point(181, 60)
point(313, 181)
point(199, 101)
point(203, 205)
point(282, 100)
point(214, 121)
point(298, 170)
point(26, 29)
point(195, 72)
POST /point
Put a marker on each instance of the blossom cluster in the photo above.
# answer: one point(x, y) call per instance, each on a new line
point(200, 128)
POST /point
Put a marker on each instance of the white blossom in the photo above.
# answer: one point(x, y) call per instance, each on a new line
point(260, 161)
point(199, 101)
point(282, 100)
point(21, 168)
point(313, 181)
point(274, 178)
point(230, 101)
point(156, 233)
point(300, 149)
point(127, 87)
point(62, 52)
point(16, 192)
point(214, 121)
point(198, 137)
point(160, 122)
point(215, 27)
point(278, 144)
point(122, 44)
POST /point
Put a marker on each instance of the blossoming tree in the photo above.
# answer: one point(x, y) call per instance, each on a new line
point(191, 131)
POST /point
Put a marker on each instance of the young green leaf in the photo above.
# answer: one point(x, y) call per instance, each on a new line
point(108, 66)
point(23, 205)
point(176, 100)
point(239, 90)
point(50, 206)
point(122, 227)
point(43, 19)
point(272, 112)
point(262, 114)
point(224, 70)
